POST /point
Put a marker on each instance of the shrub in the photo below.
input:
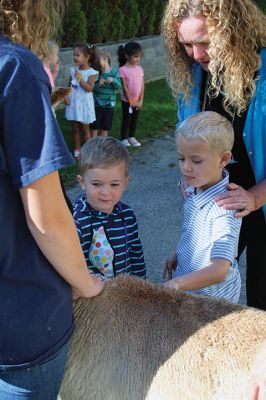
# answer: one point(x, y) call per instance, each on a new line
point(262, 5)
point(97, 20)
point(74, 24)
point(147, 10)
point(131, 18)
point(116, 26)
point(161, 4)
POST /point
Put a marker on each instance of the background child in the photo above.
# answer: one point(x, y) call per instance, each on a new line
point(80, 105)
point(51, 66)
point(132, 77)
point(50, 62)
point(104, 94)
point(107, 228)
point(205, 259)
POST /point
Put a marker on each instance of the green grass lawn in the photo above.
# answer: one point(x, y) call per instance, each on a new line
point(157, 115)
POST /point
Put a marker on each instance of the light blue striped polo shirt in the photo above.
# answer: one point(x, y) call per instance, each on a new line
point(209, 232)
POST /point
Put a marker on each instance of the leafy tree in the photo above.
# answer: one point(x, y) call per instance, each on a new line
point(74, 24)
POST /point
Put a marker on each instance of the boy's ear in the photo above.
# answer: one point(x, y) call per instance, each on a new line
point(225, 158)
point(81, 181)
point(127, 180)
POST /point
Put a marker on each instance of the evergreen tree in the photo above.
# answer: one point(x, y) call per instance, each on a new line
point(97, 20)
point(147, 10)
point(116, 26)
point(74, 24)
point(131, 18)
point(161, 4)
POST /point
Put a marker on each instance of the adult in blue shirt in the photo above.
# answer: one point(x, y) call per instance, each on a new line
point(217, 61)
point(40, 255)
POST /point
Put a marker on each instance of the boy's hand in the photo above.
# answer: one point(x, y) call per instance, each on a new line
point(102, 82)
point(170, 265)
point(172, 283)
point(109, 80)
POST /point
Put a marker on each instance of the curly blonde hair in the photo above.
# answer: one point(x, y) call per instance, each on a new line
point(237, 29)
point(28, 22)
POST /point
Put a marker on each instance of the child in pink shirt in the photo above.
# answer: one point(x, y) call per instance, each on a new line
point(50, 62)
point(132, 77)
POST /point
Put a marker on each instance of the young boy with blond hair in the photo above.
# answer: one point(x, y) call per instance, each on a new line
point(205, 259)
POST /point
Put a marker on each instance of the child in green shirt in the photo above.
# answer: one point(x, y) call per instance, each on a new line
point(104, 93)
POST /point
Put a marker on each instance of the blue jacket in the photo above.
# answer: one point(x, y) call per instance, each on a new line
point(254, 133)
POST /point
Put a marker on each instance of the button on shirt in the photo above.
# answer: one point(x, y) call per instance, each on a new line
point(210, 232)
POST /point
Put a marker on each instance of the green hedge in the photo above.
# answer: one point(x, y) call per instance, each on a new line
point(262, 5)
point(100, 21)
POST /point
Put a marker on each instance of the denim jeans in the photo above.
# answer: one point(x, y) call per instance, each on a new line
point(41, 382)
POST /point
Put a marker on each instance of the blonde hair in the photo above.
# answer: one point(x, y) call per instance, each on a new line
point(103, 151)
point(237, 29)
point(52, 47)
point(27, 22)
point(211, 127)
point(103, 52)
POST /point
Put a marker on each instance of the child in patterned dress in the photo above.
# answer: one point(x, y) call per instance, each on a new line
point(107, 228)
point(80, 105)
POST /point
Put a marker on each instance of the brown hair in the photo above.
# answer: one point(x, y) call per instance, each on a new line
point(103, 151)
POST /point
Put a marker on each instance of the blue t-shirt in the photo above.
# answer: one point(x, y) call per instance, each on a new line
point(35, 302)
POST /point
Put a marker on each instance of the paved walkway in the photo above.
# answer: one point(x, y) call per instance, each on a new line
point(155, 198)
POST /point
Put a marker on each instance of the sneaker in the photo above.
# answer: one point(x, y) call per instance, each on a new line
point(134, 142)
point(125, 143)
point(76, 154)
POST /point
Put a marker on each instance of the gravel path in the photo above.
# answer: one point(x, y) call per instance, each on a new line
point(154, 196)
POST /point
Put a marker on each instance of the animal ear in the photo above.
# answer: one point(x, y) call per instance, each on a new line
point(60, 94)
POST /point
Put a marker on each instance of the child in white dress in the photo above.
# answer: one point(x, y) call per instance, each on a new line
point(80, 105)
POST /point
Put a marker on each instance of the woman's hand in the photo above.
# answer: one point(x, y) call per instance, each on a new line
point(238, 199)
point(97, 287)
point(170, 265)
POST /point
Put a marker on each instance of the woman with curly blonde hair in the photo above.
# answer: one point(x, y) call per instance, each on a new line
point(217, 62)
point(41, 261)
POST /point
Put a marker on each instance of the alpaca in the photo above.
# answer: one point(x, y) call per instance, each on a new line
point(141, 341)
